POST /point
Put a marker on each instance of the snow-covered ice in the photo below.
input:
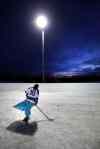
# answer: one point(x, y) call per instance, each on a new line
point(75, 108)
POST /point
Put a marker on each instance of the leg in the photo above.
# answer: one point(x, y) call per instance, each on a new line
point(27, 115)
point(27, 111)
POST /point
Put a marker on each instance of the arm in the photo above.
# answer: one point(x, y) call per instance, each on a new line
point(27, 92)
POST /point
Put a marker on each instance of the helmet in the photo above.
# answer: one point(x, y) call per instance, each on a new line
point(36, 86)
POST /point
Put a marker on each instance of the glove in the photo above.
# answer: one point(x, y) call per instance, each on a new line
point(36, 101)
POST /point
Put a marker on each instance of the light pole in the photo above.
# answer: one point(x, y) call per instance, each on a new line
point(41, 23)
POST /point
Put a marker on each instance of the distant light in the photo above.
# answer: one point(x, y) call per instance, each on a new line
point(41, 22)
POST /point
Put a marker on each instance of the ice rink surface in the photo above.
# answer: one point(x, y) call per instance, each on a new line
point(75, 108)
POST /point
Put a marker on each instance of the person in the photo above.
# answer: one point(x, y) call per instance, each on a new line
point(32, 96)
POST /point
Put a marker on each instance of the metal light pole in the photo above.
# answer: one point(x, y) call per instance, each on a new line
point(41, 23)
point(43, 56)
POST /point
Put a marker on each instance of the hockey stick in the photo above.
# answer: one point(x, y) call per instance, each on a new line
point(50, 119)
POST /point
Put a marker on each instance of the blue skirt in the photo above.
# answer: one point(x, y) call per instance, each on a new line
point(24, 105)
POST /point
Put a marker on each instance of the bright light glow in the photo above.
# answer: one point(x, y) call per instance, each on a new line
point(41, 22)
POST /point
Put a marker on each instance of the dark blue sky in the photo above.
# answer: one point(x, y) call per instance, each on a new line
point(72, 40)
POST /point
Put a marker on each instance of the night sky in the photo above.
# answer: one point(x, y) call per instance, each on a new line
point(72, 39)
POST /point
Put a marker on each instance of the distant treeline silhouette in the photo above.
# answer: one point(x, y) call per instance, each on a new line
point(49, 78)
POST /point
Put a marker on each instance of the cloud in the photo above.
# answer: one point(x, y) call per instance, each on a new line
point(92, 65)
point(66, 73)
point(75, 61)
point(94, 61)
point(81, 70)
point(87, 67)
